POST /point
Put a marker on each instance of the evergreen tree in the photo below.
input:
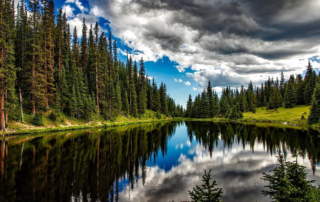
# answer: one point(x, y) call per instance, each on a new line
point(310, 80)
point(57, 106)
point(282, 82)
point(48, 26)
point(315, 107)
point(163, 98)
point(7, 61)
point(207, 192)
point(73, 103)
point(84, 46)
point(157, 104)
point(35, 59)
point(288, 182)
point(125, 107)
point(189, 107)
point(289, 99)
point(216, 106)
point(142, 102)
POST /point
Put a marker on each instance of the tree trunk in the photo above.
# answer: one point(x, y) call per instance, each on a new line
point(21, 105)
point(2, 124)
point(97, 89)
point(33, 85)
point(45, 72)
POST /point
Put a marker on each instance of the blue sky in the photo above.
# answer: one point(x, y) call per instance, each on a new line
point(187, 43)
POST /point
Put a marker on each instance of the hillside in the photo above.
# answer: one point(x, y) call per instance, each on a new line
point(283, 115)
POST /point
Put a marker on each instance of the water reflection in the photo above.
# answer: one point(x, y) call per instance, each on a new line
point(152, 162)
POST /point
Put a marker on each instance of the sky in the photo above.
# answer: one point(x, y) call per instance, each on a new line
point(189, 42)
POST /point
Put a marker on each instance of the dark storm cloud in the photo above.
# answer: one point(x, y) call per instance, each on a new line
point(246, 39)
point(250, 18)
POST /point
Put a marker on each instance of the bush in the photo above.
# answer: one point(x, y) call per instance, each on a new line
point(302, 117)
point(52, 116)
point(254, 110)
point(38, 120)
point(158, 115)
point(207, 191)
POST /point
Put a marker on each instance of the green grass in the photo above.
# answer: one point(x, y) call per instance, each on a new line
point(283, 118)
point(67, 123)
point(289, 116)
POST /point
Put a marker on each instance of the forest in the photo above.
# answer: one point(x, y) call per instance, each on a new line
point(43, 67)
point(271, 95)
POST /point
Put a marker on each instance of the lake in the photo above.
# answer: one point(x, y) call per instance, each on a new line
point(149, 162)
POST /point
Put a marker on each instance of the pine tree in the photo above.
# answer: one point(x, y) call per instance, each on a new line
point(163, 98)
point(310, 80)
point(210, 97)
point(142, 103)
point(288, 182)
point(289, 99)
point(73, 103)
point(282, 82)
point(84, 46)
point(207, 192)
point(157, 103)
point(315, 107)
point(59, 39)
point(7, 61)
point(300, 90)
point(35, 60)
point(48, 24)
point(216, 106)
point(64, 89)
point(57, 107)
point(125, 102)
point(189, 107)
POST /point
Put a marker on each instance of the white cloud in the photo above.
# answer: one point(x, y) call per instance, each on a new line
point(178, 80)
point(187, 83)
point(78, 4)
point(165, 32)
point(194, 89)
point(68, 10)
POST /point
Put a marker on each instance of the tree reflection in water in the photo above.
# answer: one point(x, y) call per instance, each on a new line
point(96, 165)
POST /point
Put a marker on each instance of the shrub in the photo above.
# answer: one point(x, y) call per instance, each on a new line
point(158, 115)
point(207, 191)
point(52, 116)
point(38, 120)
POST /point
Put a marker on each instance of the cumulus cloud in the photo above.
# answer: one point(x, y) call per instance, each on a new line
point(78, 4)
point(178, 80)
point(187, 83)
point(231, 42)
point(194, 89)
point(68, 10)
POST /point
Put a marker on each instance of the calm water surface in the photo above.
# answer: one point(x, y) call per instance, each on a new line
point(152, 162)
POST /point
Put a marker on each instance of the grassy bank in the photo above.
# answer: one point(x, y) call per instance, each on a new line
point(66, 123)
point(296, 116)
point(286, 118)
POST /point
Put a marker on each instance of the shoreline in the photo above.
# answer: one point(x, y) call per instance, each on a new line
point(81, 127)
point(257, 122)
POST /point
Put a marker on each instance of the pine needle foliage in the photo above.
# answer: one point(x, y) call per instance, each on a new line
point(207, 192)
